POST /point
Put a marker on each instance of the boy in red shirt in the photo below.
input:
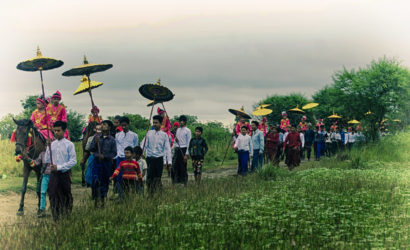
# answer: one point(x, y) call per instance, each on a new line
point(130, 172)
point(293, 148)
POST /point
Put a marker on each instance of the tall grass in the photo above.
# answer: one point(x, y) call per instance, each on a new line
point(321, 206)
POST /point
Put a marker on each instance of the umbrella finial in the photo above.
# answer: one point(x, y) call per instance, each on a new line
point(242, 109)
point(38, 51)
point(85, 60)
point(84, 78)
point(159, 81)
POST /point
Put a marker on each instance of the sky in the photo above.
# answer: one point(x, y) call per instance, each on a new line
point(214, 55)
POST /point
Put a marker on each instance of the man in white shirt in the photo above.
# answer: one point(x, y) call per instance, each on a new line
point(258, 143)
point(243, 145)
point(179, 172)
point(63, 159)
point(157, 148)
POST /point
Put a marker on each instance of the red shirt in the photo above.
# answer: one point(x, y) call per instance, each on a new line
point(272, 139)
point(130, 170)
point(293, 139)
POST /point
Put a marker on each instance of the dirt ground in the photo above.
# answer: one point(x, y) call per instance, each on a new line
point(9, 203)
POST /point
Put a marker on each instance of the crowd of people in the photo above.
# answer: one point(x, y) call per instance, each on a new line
point(118, 156)
point(269, 143)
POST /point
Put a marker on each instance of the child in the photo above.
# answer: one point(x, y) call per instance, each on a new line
point(45, 177)
point(130, 172)
point(197, 151)
point(143, 164)
point(243, 145)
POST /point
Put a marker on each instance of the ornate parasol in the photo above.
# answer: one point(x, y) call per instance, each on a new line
point(297, 110)
point(87, 69)
point(263, 106)
point(84, 86)
point(240, 113)
point(353, 122)
point(397, 120)
point(151, 103)
point(40, 63)
point(262, 112)
point(310, 105)
point(156, 92)
point(368, 112)
point(334, 116)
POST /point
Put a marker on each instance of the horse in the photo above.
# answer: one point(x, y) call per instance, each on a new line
point(89, 131)
point(32, 151)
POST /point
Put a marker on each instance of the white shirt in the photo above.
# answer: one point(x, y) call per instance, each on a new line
point(302, 139)
point(351, 137)
point(157, 145)
point(143, 166)
point(244, 142)
point(284, 136)
point(124, 140)
point(64, 156)
point(184, 137)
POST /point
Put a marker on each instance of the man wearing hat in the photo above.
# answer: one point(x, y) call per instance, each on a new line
point(284, 123)
point(57, 111)
point(94, 116)
point(39, 117)
point(104, 149)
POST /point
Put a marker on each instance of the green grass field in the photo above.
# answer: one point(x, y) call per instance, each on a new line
point(356, 200)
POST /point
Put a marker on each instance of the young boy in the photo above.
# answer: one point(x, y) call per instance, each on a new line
point(64, 158)
point(258, 142)
point(143, 164)
point(130, 172)
point(197, 151)
point(243, 145)
point(45, 177)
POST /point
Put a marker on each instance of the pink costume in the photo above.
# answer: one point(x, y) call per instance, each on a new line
point(303, 124)
point(57, 113)
point(40, 122)
point(320, 123)
point(239, 125)
point(284, 123)
point(166, 125)
point(262, 126)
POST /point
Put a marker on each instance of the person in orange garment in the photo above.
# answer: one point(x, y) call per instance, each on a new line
point(284, 123)
point(57, 112)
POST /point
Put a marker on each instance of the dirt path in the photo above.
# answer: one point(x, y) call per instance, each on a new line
point(9, 203)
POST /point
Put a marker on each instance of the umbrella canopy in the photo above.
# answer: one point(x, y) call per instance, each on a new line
point(156, 92)
point(310, 105)
point(39, 63)
point(334, 116)
point(263, 106)
point(353, 122)
point(84, 86)
point(262, 112)
point(87, 69)
point(397, 120)
point(297, 110)
point(368, 112)
point(240, 113)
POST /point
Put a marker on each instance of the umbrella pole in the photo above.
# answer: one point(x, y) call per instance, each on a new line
point(175, 134)
point(46, 117)
point(89, 91)
point(149, 124)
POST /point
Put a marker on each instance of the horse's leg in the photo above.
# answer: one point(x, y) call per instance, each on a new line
point(83, 164)
point(26, 173)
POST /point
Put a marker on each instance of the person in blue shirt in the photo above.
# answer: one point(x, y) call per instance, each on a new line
point(63, 159)
point(320, 142)
point(309, 139)
point(342, 139)
point(258, 142)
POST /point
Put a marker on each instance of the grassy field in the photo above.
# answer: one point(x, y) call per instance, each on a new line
point(356, 200)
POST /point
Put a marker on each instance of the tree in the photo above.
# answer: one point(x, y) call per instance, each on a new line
point(190, 119)
point(29, 105)
point(284, 103)
point(75, 124)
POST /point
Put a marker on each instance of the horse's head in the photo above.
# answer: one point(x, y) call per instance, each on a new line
point(24, 127)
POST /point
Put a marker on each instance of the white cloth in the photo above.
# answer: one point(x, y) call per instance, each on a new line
point(244, 142)
point(123, 140)
point(184, 137)
point(143, 166)
point(302, 139)
point(284, 136)
point(157, 145)
point(351, 137)
point(64, 156)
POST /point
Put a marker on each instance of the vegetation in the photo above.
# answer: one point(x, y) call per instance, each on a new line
point(358, 202)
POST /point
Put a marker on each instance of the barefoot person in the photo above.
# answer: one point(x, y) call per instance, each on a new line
point(179, 172)
point(197, 151)
point(64, 158)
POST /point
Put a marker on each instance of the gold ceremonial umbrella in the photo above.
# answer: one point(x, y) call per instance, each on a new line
point(310, 105)
point(263, 106)
point(262, 112)
point(240, 113)
point(334, 116)
point(397, 120)
point(84, 87)
point(40, 63)
point(297, 110)
point(151, 103)
point(353, 122)
point(368, 112)
point(87, 69)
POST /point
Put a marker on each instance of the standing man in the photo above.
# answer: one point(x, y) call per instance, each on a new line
point(309, 139)
point(123, 139)
point(179, 172)
point(293, 142)
point(258, 142)
point(64, 158)
point(156, 145)
point(104, 150)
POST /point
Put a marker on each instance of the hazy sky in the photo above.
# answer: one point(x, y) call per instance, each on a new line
point(213, 55)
